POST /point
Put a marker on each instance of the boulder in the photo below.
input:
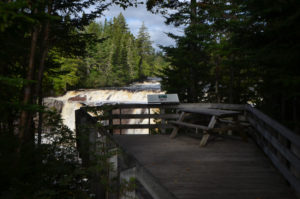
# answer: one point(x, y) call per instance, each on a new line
point(78, 98)
point(50, 102)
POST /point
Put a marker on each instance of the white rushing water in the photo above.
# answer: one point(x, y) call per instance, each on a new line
point(135, 93)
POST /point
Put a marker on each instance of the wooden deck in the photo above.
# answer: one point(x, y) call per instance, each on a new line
point(224, 169)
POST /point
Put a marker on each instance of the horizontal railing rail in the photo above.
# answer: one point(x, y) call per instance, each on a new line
point(124, 116)
point(141, 116)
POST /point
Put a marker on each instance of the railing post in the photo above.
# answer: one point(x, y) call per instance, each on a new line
point(149, 122)
point(87, 143)
point(120, 110)
point(163, 121)
point(296, 151)
point(110, 122)
point(113, 173)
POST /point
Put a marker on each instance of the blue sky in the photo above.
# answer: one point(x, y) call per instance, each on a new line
point(154, 22)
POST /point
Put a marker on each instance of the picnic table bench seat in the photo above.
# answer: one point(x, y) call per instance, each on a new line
point(196, 126)
point(216, 115)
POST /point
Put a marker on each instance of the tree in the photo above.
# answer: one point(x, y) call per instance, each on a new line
point(66, 75)
point(145, 50)
point(273, 48)
point(190, 58)
point(48, 25)
point(119, 58)
point(249, 53)
point(30, 31)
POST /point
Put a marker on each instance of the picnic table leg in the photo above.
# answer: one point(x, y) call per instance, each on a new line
point(206, 133)
point(176, 128)
point(240, 129)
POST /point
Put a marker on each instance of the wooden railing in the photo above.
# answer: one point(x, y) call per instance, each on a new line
point(154, 116)
point(281, 145)
point(135, 116)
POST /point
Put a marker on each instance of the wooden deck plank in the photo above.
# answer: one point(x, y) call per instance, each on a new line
point(223, 169)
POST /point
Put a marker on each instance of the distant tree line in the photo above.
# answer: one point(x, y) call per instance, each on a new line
point(116, 58)
point(236, 51)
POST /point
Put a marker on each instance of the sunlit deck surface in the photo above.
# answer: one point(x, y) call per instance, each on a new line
point(224, 169)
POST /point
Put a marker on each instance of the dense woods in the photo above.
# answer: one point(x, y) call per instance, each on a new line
point(42, 41)
point(236, 52)
point(232, 51)
point(116, 58)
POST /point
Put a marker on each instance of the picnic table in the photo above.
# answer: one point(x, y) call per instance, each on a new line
point(215, 116)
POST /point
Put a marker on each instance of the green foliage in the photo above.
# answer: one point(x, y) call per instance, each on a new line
point(188, 74)
point(115, 58)
point(128, 186)
point(235, 52)
point(145, 52)
point(51, 170)
point(42, 48)
point(66, 74)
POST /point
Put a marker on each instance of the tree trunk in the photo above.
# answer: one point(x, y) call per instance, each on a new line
point(193, 92)
point(283, 108)
point(217, 76)
point(193, 11)
point(45, 47)
point(193, 84)
point(237, 90)
point(296, 118)
point(25, 121)
point(231, 85)
point(140, 69)
point(217, 91)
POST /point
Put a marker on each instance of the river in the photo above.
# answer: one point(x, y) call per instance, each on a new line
point(73, 100)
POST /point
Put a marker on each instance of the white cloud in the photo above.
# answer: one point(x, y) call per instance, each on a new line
point(135, 16)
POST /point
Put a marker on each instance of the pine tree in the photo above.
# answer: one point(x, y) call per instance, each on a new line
point(249, 53)
point(189, 71)
point(145, 50)
point(119, 58)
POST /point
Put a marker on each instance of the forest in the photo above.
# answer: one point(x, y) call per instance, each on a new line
point(232, 51)
point(116, 58)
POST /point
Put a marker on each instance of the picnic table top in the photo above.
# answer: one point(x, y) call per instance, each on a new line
point(211, 112)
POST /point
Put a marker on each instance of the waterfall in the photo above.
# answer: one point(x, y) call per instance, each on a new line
point(134, 93)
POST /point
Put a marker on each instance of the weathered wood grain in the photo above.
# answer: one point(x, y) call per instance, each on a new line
point(140, 116)
point(281, 145)
point(211, 112)
point(283, 150)
point(293, 137)
point(224, 169)
point(140, 126)
point(196, 126)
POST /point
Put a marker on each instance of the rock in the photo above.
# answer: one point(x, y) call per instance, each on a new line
point(50, 102)
point(78, 98)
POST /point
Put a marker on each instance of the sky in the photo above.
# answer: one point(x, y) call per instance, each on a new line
point(135, 16)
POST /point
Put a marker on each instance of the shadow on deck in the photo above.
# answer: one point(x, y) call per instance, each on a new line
point(168, 169)
point(223, 169)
